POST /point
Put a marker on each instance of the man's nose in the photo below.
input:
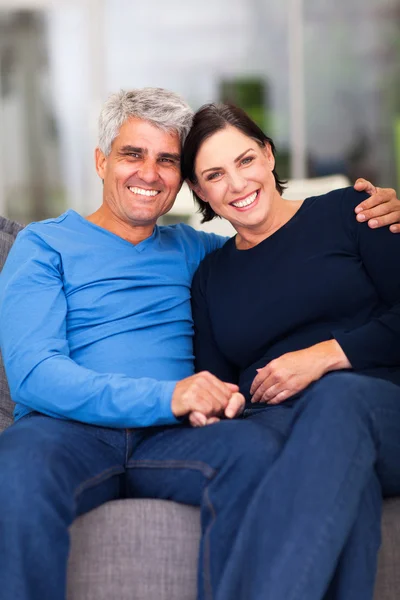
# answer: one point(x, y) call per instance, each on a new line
point(148, 171)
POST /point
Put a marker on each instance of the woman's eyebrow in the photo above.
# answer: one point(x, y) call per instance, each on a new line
point(235, 160)
point(241, 155)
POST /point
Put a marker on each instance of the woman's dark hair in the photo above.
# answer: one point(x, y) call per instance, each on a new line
point(207, 120)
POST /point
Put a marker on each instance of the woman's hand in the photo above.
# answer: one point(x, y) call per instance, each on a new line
point(381, 209)
point(293, 372)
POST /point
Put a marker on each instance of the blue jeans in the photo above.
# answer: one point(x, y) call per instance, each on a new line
point(279, 491)
point(324, 506)
point(53, 470)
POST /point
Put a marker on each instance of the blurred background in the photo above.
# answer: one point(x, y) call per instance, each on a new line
point(321, 77)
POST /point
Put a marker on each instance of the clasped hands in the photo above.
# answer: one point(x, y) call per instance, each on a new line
point(204, 399)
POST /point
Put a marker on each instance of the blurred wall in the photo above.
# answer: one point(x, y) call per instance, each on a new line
point(59, 62)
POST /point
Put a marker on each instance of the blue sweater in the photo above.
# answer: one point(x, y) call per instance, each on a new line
point(322, 275)
point(94, 328)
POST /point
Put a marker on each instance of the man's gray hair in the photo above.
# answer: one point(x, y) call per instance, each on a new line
point(160, 107)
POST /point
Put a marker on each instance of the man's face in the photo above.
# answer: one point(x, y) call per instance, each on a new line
point(141, 174)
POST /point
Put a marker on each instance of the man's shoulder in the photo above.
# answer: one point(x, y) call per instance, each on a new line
point(192, 239)
point(45, 226)
point(50, 234)
point(52, 221)
point(182, 230)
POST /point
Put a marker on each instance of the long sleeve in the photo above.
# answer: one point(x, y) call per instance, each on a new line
point(377, 342)
point(40, 371)
point(207, 354)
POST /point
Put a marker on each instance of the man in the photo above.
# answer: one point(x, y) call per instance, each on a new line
point(96, 336)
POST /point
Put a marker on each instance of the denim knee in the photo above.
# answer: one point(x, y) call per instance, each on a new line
point(349, 398)
point(254, 444)
point(28, 472)
point(344, 390)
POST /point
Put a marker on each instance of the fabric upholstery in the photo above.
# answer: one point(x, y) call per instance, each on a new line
point(135, 550)
point(8, 232)
point(388, 580)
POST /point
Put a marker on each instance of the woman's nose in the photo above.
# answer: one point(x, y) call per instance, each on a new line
point(237, 182)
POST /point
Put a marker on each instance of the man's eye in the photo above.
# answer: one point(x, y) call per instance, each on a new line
point(133, 154)
point(167, 160)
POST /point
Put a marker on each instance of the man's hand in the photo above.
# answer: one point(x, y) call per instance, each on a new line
point(293, 372)
point(234, 408)
point(204, 394)
point(381, 209)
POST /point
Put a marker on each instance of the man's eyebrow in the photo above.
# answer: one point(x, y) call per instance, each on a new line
point(236, 160)
point(171, 155)
point(128, 148)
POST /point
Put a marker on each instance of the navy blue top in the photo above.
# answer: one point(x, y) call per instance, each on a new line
point(322, 275)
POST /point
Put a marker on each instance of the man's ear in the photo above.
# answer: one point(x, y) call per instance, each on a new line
point(100, 162)
point(197, 190)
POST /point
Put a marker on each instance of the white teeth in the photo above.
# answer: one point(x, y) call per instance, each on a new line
point(246, 201)
point(136, 190)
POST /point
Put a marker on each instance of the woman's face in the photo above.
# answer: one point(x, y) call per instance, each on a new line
point(234, 174)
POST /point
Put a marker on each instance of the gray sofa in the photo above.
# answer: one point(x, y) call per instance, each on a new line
point(147, 549)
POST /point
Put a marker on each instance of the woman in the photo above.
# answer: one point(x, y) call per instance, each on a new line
point(302, 290)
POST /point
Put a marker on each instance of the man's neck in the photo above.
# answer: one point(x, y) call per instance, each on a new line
point(130, 232)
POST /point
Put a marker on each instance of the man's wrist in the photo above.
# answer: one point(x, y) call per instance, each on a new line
point(166, 399)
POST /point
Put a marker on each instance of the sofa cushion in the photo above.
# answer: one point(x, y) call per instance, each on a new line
point(388, 578)
point(8, 232)
point(135, 550)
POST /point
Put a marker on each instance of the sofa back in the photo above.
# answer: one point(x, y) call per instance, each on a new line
point(8, 233)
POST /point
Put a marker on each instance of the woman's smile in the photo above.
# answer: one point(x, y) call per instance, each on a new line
point(247, 202)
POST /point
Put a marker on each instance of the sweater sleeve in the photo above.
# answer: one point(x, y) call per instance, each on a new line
point(40, 372)
point(377, 342)
point(208, 356)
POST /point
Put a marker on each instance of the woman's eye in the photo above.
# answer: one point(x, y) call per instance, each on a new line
point(213, 175)
point(247, 160)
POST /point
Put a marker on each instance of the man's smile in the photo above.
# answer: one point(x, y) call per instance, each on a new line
point(142, 192)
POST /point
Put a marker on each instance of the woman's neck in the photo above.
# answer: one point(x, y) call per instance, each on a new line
point(279, 215)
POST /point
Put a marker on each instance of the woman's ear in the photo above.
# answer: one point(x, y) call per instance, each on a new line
point(269, 155)
point(197, 190)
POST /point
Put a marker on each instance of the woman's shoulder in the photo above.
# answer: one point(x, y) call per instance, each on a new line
point(336, 206)
point(336, 198)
